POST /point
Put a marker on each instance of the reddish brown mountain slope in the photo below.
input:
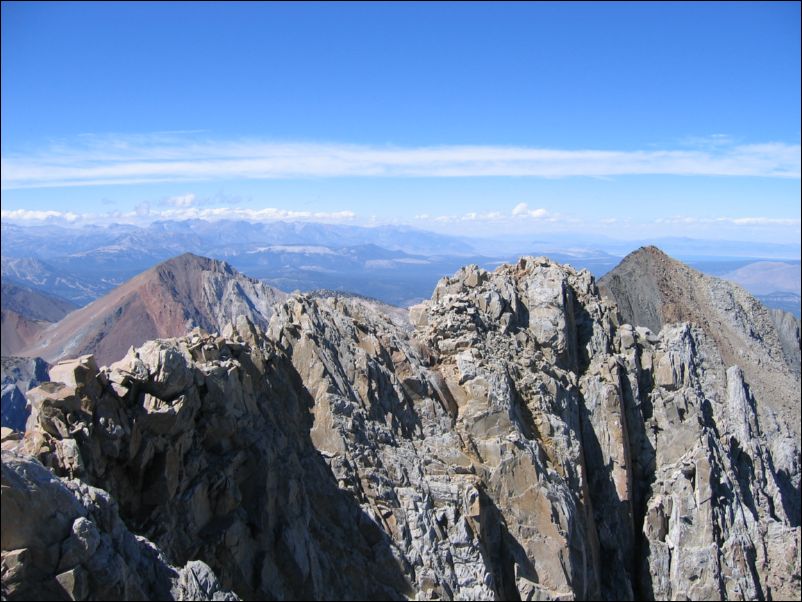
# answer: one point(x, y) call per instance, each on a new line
point(165, 301)
point(18, 331)
point(25, 313)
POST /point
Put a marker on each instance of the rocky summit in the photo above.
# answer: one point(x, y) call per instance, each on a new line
point(651, 289)
point(514, 439)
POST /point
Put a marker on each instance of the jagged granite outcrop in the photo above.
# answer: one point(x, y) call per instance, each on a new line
point(513, 442)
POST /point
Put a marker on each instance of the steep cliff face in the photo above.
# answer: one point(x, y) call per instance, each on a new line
point(513, 441)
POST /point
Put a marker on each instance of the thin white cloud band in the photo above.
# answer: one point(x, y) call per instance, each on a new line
point(142, 159)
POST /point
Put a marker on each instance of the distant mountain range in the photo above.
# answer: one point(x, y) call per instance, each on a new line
point(396, 264)
point(46, 278)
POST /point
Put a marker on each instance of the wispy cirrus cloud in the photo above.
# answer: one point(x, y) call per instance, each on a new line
point(119, 160)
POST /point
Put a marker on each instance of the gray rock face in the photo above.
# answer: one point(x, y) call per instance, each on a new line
point(721, 522)
point(516, 443)
point(18, 375)
point(787, 325)
point(64, 540)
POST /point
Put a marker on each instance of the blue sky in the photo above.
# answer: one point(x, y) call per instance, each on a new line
point(621, 119)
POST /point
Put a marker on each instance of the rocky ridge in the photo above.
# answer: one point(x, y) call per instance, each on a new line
point(517, 442)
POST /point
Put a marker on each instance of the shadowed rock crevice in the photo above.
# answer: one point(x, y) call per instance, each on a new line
point(642, 454)
point(502, 552)
point(613, 518)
